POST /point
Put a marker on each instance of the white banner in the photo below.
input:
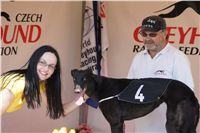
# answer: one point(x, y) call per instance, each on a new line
point(104, 40)
point(88, 47)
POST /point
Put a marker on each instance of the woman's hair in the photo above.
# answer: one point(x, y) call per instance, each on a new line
point(32, 84)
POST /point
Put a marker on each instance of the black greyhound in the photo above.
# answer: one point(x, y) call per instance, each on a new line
point(182, 105)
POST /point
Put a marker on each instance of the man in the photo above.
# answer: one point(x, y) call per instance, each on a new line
point(159, 60)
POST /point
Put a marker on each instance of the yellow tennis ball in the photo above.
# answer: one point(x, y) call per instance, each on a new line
point(55, 131)
point(63, 130)
point(72, 131)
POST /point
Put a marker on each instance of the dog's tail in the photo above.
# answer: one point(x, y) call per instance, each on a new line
point(196, 121)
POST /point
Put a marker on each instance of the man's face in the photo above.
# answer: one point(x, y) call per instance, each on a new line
point(154, 41)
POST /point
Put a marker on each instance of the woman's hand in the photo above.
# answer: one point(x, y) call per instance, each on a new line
point(79, 100)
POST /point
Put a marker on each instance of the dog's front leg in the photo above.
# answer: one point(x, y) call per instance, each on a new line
point(117, 128)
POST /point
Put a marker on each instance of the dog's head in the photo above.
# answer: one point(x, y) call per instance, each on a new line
point(80, 79)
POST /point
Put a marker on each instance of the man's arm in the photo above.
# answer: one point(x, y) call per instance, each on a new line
point(182, 71)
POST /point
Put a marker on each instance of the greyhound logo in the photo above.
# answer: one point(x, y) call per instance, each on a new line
point(179, 7)
point(5, 15)
point(160, 72)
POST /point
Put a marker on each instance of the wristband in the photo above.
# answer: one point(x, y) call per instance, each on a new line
point(80, 101)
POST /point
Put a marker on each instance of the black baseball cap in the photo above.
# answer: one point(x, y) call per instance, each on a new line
point(153, 24)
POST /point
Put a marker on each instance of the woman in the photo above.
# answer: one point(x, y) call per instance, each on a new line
point(41, 74)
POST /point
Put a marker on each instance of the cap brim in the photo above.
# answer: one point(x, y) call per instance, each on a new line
point(149, 29)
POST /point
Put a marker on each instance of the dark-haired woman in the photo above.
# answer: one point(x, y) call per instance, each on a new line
point(41, 74)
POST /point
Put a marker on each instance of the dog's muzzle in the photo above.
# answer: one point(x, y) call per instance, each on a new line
point(78, 89)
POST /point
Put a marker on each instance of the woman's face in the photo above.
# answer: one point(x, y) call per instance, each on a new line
point(46, 65)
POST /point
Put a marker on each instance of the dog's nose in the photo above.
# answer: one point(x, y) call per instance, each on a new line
point(77, 89)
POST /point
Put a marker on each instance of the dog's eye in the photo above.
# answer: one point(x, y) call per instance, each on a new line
point(84, 79)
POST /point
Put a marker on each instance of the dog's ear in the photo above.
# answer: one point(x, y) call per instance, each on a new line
point(73, 72)
point(89, 71)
